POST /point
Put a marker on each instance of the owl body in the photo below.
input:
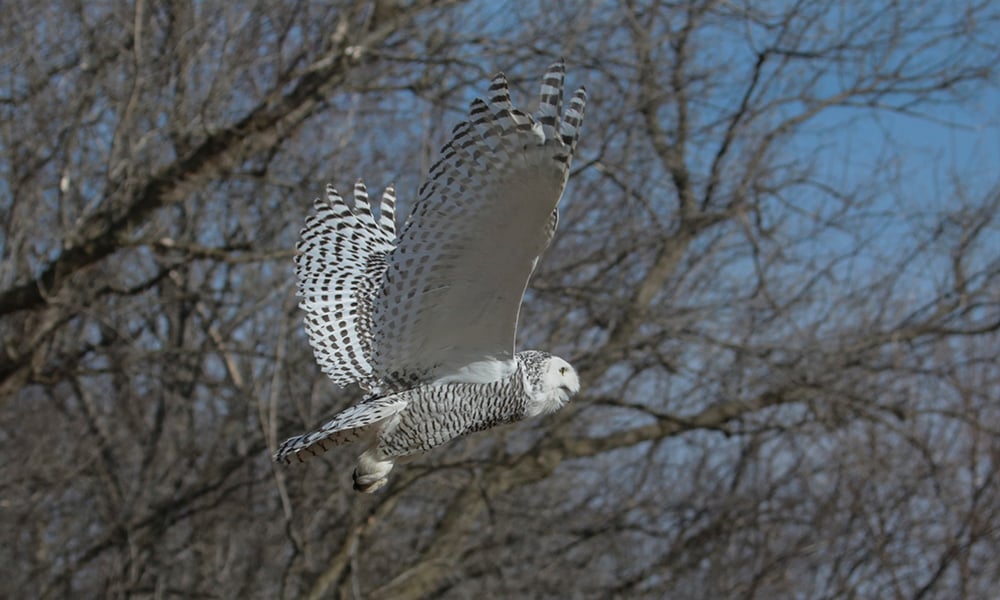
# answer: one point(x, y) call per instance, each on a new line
point(422, 418)
point(440, 412)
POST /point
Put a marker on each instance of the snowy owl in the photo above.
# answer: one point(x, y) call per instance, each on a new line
point(426, 324)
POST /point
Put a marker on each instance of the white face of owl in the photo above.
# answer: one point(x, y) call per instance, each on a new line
point(559, 383)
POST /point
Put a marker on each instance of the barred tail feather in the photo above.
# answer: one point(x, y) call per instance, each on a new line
point(349, 425)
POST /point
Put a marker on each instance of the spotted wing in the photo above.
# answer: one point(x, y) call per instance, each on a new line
point(340, 263)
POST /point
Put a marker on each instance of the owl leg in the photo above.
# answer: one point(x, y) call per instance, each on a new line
point(372, 471)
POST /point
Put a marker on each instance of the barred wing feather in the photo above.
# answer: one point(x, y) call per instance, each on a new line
point(339, 267)
point(453, 286)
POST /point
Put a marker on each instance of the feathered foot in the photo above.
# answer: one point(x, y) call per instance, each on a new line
point(372, 472)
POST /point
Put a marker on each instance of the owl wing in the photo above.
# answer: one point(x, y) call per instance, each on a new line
point(339, 266)
point(452, 289)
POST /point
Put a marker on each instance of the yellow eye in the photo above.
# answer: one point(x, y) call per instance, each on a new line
point(562, 370)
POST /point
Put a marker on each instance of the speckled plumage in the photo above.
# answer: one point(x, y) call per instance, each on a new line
point(426, 324)
point(439, 413)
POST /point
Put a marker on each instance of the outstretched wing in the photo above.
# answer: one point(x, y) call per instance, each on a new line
point(339, 266)
point(347, 426)
point(454, 283)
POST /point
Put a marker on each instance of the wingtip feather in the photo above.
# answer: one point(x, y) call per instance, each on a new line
point(387, 210)
point(569, 127)
point(550, 98)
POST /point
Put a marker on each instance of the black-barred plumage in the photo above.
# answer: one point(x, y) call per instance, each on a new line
point(339, 266)
point(426, 323)
point(439, 413)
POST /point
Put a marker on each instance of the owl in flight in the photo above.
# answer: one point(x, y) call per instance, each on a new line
point(426, 324)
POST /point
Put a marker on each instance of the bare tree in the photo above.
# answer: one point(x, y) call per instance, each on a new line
point(785, 316)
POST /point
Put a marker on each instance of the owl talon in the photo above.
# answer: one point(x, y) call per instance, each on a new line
point(371, 473)
point(368, 488)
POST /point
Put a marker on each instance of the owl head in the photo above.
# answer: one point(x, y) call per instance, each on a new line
point(552, 382)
